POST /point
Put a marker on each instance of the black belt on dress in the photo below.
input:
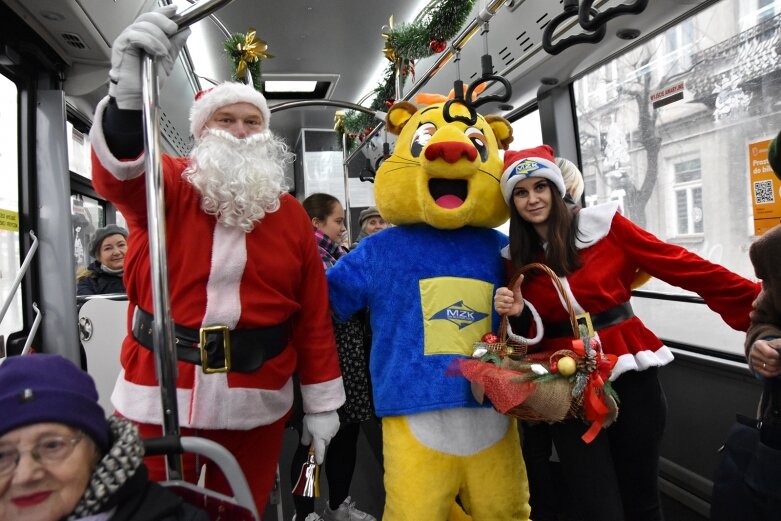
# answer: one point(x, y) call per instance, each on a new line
point(219, 349)
point(607, 318)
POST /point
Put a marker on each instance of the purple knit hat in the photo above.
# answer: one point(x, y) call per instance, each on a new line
point(41, 388)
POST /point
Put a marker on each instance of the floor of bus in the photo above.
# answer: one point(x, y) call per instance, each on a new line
point(367, 489)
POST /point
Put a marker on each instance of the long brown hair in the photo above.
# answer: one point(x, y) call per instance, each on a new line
point(526, 244)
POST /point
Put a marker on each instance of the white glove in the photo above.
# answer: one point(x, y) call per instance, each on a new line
point(151, 34)
point(319, 428)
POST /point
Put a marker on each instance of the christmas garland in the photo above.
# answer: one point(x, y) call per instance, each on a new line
point(245, 52)
point(438, 22)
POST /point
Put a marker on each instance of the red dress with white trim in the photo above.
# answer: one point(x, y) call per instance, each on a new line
point(611, 250)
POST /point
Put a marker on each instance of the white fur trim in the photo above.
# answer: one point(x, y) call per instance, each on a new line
point(228, 408)
point(324, 396)
point(122, 170)
point(142, 403)
point(594, 223)
point(216, 405)
point(229, 258)
point(537, 321)
point(547, 170)
point(576, 307)
point(224, 94)
point(452, 431)
point(641, 361)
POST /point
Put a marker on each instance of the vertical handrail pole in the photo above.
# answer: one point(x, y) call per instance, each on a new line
point(346, 168)
point(162, 327)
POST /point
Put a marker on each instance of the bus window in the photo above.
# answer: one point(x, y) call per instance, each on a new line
point(10, 258)
point(527, 131)
point(79, 160)
point(87, 215)
point(668, 129)
point(120, 220)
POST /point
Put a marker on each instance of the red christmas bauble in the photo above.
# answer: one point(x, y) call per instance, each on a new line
point(490, 338)
point(437, 45)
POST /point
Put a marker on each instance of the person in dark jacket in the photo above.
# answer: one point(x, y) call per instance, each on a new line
point(60, 459)
point(104, 275)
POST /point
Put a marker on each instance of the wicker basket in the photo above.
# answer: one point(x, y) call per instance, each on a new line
point(549, 398)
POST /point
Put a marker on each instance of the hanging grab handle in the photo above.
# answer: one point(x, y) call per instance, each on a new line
point(600, 19)
point(570, 11)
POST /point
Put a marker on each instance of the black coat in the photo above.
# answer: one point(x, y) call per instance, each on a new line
point(100, 282)
point(142, 500)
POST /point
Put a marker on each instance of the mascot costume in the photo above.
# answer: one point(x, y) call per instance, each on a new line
point(429, 283)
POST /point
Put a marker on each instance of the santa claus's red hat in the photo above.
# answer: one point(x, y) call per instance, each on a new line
point(208, 101)
point(531, 162)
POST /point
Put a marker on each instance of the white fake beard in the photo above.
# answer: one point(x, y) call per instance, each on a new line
point(240, 179)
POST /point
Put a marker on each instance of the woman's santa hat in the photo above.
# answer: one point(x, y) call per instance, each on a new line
point(207, 102)
point(531, 162)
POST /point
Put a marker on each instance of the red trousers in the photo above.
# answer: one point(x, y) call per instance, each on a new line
point(257, 451)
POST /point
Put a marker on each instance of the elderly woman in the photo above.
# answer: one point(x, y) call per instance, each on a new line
point(370, 222)
point(104, 275)
point(60, 459)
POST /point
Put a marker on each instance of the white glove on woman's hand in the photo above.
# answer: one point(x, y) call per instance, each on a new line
point(151, 33)
point(318, 429)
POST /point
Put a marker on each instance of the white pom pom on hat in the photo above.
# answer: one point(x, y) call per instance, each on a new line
point(208, 101)
point(530, 162)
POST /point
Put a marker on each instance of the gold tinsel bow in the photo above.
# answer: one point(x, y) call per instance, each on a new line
point(250, 50)
point(339, 121)
point(389, 51)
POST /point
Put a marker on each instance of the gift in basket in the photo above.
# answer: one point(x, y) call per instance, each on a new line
point(548, 387)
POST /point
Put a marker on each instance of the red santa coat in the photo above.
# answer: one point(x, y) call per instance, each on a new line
point(611, 249)
point(222, 275)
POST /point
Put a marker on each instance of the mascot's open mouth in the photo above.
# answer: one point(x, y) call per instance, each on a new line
point(448, 193)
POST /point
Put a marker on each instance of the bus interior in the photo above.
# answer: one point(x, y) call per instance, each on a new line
point(665, 105)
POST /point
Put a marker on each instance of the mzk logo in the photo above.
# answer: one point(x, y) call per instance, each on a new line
point(459, 314)
point(526, 167)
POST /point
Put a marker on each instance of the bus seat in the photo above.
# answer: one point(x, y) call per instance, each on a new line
point(240, 507)
point(102, 327)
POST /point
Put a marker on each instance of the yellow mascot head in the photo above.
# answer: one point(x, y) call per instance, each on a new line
point(445, 167)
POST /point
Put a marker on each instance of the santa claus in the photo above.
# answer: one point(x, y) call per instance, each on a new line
point(241, 264)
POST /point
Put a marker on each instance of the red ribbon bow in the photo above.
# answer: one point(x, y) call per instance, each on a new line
point(595, 409)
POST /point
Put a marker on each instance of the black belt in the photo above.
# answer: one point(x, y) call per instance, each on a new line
point(241, 350)
point(610, 317)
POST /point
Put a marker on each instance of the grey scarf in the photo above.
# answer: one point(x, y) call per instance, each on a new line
point(117, 466)
point(106, 269)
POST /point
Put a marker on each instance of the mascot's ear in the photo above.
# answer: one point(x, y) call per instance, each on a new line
point(398, 116)
point(502, 130)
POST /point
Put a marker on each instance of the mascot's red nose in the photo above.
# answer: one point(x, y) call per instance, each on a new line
point(450, 151)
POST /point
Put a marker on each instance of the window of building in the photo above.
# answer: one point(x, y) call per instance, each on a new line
point(688, 197)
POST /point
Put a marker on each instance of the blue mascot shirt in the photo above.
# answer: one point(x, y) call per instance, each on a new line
point(430, 296)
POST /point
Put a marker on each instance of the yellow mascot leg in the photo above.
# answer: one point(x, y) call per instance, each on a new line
point(420, 483)
point(497, 488)
point(457, 514)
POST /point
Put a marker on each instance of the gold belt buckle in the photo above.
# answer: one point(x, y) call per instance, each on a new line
point(584, 319)
point(226, 346)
